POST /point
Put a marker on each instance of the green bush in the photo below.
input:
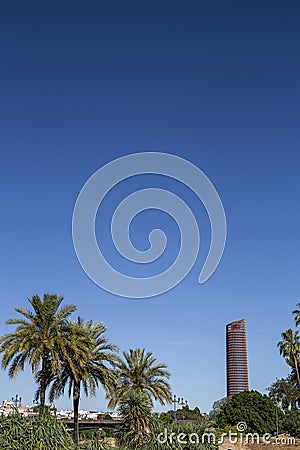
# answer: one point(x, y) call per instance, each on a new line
point(45, 433)
point(255, 409)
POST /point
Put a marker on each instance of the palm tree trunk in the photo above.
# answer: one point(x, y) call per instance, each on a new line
point(43, 386)
point(297, 369)
point(76, 398)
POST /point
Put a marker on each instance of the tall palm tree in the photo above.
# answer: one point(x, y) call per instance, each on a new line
point(296, 313)
point(289, 348)
point(93, 365)
point(139, 371)
point(39, 340)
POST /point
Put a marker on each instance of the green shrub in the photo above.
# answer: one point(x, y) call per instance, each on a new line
point(45, 433)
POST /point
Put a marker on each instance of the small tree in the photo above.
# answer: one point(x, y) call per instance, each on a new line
point(136, 411)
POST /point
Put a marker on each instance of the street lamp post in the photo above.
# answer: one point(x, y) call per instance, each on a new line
point(174, 401)
point(277, 431)
point(178, 401)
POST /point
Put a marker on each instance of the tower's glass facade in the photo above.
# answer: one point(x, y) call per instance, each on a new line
point(236, 357)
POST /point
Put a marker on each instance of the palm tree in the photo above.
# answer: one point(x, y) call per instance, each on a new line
point(39, 340)
point(93, 365)
point(139, 371)
point(289, 348)
point(296, 313)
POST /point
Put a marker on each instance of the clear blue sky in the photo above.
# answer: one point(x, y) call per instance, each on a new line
point(215, 82)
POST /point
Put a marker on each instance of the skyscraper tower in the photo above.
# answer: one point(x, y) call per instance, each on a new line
point(236, 357)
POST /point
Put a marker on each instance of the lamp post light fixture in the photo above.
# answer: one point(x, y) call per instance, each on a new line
point(180, 402)
point(277, 427)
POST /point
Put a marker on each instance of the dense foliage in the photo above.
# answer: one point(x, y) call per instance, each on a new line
point(44, 433)
point(285, 393)
point(255, 409)
point(185, 413)
point(291, 423)
point(48, 433)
